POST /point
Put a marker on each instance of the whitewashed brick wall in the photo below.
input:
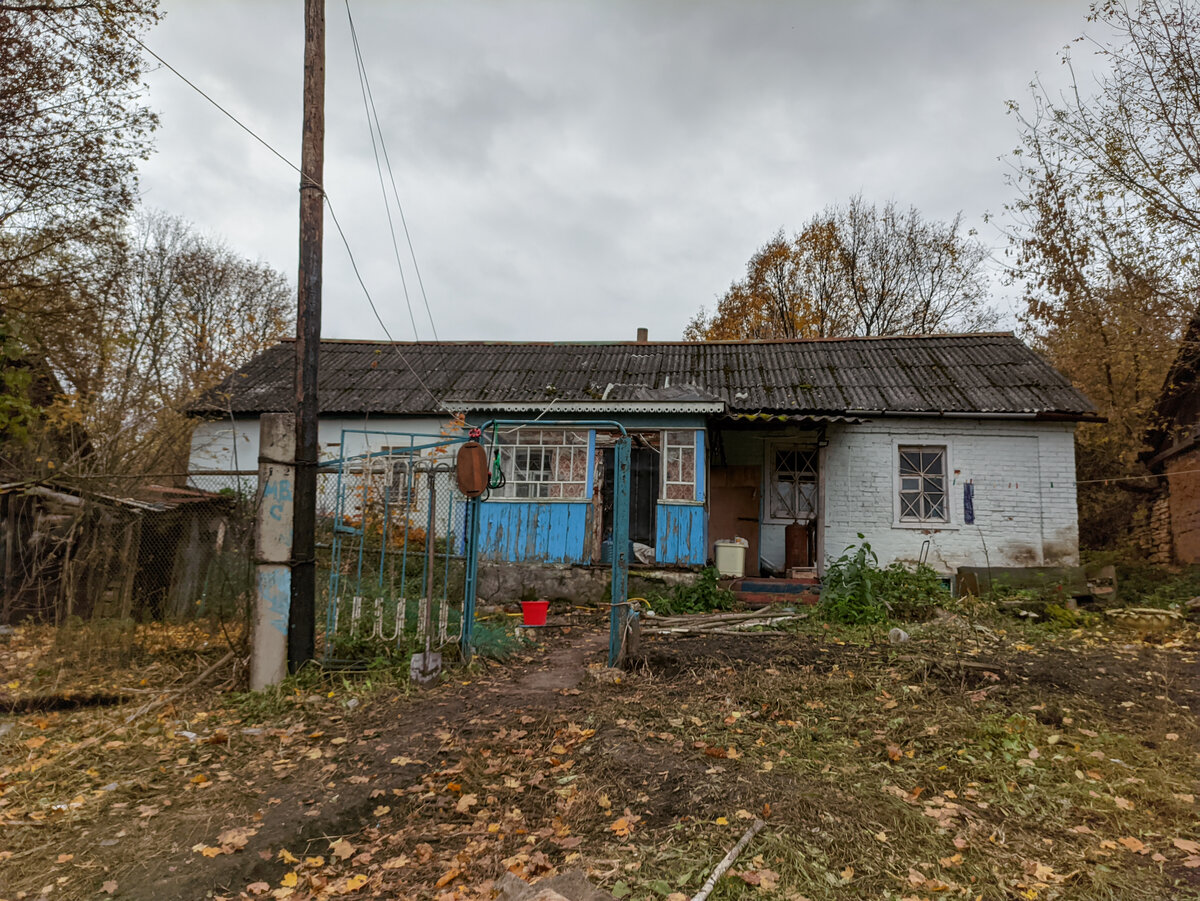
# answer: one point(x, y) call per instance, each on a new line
point(1024, 477)
point(224, 444)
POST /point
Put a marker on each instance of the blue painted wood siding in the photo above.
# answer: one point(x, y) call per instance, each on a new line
point(557, 532)
point(519, 531)
point(683, 528)
point(682, 534)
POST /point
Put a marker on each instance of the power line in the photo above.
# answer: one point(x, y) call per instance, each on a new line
point(341, 232)
point(1158, 475)
point(232, 118)
point(391, 177)
point(368, 107)
point(378, 318)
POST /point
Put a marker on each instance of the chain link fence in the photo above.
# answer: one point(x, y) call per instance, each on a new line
point(178, 548)
point(125, 547)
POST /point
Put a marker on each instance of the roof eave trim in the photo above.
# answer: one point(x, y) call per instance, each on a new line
point(1043, 416)
point(631, 406)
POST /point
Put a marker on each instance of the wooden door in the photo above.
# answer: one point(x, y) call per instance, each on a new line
point(734, 493)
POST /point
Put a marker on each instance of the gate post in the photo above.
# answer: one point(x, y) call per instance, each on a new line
point(472, 577)
point(619, 611)
point(273, 514)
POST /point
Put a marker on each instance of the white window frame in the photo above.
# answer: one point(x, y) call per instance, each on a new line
point(664, 467)
point(785, 444)
point(511, 444)
point(951, 522)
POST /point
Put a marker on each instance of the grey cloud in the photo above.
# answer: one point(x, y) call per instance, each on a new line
point(573, 170)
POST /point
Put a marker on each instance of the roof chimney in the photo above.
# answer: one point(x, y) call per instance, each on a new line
point(643, 336)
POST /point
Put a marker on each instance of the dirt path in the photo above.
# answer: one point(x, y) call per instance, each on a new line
point(997, 764)
point(338, 795)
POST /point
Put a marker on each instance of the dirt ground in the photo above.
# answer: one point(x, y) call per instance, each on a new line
point(974, 762)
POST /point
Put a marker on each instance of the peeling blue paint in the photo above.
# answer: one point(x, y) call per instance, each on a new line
point(534, 532)
point(682, 534)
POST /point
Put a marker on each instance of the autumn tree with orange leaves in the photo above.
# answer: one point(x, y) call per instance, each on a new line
point(856, 270)
point(1106, 237)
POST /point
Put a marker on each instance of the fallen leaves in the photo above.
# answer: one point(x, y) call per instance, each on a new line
point(228, 842)
point(623, 826)
point(465, 803)
point(763, 879)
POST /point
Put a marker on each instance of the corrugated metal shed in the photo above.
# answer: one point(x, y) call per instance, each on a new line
point(994, 374)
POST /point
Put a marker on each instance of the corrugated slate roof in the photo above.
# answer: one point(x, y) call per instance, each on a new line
point(966, 374)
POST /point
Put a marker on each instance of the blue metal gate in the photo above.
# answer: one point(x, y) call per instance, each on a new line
point(387, 501)
point(397, 533)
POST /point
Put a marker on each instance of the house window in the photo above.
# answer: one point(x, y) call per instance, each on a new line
point(923, 496)
point(548, 463)
point(794, 483)
point(679, 465)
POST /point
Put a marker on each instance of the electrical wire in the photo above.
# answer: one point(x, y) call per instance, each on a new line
point(391, 177)
point(368, 108)
point(1158, 475)
point(375, 310)
point(311, 182)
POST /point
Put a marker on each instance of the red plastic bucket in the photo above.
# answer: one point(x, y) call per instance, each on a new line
point(534, 612)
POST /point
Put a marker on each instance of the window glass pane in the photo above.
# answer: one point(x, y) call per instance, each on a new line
point(673, 464)
point(794, 491)
point(679, 492)
point(782, 500)
point(543, 463)
point(922, 472)
point(681, 438)
point(687, 465)
point(562, 465)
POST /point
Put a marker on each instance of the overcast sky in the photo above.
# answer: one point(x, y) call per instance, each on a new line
point(573, 170)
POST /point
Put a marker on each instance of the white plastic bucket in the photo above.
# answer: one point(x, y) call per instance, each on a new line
point(730, 557)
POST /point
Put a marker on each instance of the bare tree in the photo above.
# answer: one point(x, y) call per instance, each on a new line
point(857, 270)
point(158, 315)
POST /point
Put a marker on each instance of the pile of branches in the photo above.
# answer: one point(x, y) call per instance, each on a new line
point(726, 623)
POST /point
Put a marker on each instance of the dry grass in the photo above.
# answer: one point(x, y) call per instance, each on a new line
point(1002, 763)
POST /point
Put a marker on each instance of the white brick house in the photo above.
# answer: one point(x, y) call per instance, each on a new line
point(957, 447)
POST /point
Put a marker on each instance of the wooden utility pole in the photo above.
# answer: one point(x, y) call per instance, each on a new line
point(301, 643)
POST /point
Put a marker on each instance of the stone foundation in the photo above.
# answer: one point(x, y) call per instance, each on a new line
point(503, 583)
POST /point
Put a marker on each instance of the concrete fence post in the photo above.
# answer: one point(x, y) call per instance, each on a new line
point(273, 515)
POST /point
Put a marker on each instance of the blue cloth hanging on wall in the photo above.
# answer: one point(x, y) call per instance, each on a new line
point(969, 503)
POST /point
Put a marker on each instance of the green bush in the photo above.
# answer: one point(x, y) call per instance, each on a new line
point(856, 591)
point(704, 596)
